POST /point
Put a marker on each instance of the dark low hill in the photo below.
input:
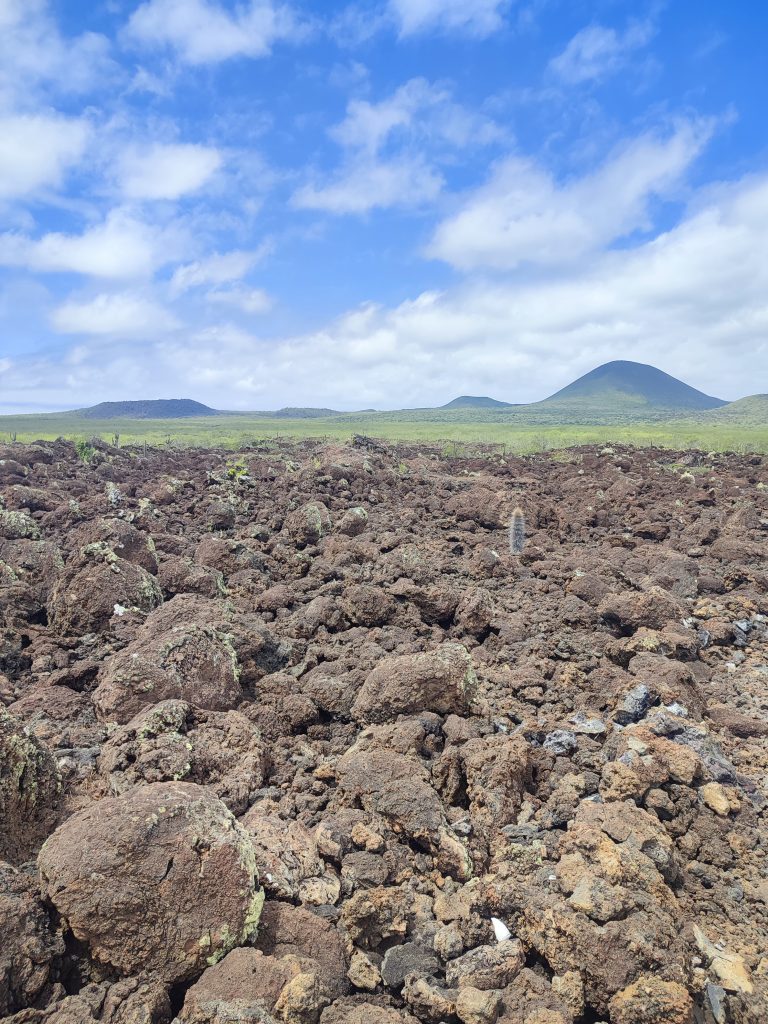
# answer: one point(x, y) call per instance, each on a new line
point(290, 413)
point(476, 402)
point(636, 383)
point(154, 409)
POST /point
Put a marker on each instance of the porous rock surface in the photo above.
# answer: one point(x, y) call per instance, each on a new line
point(473, 787)
point(160, 880)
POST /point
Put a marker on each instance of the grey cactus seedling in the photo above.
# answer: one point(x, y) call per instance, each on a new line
point(517, 532)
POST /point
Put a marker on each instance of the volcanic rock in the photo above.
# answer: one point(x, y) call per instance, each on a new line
point(160, 880)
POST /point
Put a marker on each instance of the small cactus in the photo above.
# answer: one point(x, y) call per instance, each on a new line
point(517, 532)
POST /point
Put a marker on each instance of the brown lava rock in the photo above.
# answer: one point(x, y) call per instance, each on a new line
point(415, 732)
point(29, 943)
point(191, 662)
point(30, 791)
point(442, 680)
point(161, 880)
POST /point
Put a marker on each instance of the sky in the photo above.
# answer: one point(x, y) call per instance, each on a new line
point(378, 203)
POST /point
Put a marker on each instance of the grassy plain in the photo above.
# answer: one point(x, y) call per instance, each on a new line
point(519, 433)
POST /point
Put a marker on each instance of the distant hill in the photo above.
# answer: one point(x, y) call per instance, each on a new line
point(472, 402)
point(290, 413)
point(155, 409)
point(752, 409)
point(622, 381)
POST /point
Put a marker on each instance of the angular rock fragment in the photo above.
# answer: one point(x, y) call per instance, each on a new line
point(30, 791)
point(442, 681)
point(29, 945)
point(487, 967)
point(650, 1000)
point(249, 986)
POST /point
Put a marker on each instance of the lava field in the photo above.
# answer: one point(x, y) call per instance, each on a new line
point(291, 736)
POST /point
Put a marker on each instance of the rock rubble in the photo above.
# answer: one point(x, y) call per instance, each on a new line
point(303, 742)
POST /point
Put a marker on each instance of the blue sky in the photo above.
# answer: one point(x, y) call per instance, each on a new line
point(382, 204)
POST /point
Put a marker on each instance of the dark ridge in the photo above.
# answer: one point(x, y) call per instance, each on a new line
point(154, 409)
point(473, 402)
point(292, 413)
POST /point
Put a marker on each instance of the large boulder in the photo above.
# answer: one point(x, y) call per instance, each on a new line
point(286, 854)
point(350, 1011)
point(395, 786)
point(653, 608)
point(160, 881)
point(190, 661)
point(651, 1000)
point(479, 505)
point(17, 525)
point(174, 742)
point(442, 680)
point(285, 930)
point(122, 538)
point(30, 790)
point(496, 769)
point(85, 595)
point(308, 523)
point(127, 1001)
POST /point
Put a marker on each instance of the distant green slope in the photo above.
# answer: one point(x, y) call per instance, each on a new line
point(752, 409)
point(622, 381)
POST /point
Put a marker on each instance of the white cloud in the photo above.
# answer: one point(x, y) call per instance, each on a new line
point(219, 268)
point(476, 17)
point(597, 51)
point(368, 184)
point(419, 111)
point(522, 215)
point(203, 32)
point(166, 171)
point(34, 54)
point(119, 315)
point(119, 247)
point(249, 300)
point(36, 151)
point(392, 147)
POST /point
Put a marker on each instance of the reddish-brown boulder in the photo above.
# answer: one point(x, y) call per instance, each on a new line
point(442, 680)
point(191, 662)
point(159, 881)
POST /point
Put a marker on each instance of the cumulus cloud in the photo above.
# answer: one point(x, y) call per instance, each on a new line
point(417, 111)
point(203, 32)
point(36, 151)
point(166, 171)
point(477, 17)
point(119, 247)
point(523, 215)
point(391, 149)
point(597, 51)
point(118, 315)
